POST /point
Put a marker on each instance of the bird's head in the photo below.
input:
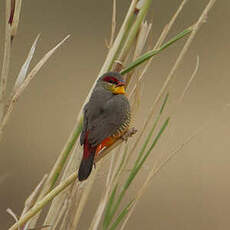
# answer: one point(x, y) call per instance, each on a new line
point(113, 82)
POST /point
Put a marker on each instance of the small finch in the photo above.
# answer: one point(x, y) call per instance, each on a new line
point(106, 118)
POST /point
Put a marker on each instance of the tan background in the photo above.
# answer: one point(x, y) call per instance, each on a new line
point(192, 192)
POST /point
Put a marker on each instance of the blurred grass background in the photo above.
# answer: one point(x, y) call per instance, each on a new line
point(192, 192)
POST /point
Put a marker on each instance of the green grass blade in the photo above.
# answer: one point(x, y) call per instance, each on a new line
point(164, 103)
point(109, 207)
point(152, 53)
point(133, 174)
point(122, 161)
point(136, 169)
point(151, 131)
point(134, 30)
point(67, 151)
point(121, 216)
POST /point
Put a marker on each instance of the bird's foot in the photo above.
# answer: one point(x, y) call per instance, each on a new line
point(129, 133)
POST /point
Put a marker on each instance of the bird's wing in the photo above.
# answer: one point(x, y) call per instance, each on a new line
point(114, 114)
point(85, 124)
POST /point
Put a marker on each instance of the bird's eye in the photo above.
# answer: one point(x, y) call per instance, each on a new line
point(112, 81)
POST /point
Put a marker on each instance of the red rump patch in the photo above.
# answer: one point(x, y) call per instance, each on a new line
point(88, 149)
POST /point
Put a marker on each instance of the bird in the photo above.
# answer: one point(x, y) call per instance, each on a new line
point(106, 117)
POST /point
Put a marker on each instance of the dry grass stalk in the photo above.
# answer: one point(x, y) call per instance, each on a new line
point(62, 215)
point(83, 201)
point(114, 49)
point(142, 11)
point(15, 15)
point(11, 213)
point(168, 27)
point(115, 158)
point(23, 72)
point(6, 60)
point(65, 212)
point(145, 30)
point(72, 204)
point(57, 203)
point(33, 196)
point(141, 41)
point(190, 80)
point(113, 27)
point(12, 15)
point(40, 204)
point(107, 189)
point(23, 85)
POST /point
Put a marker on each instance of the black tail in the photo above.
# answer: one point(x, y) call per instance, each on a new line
point(86, 167)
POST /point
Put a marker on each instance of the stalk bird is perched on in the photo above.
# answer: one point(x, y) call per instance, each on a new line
point(106, 118)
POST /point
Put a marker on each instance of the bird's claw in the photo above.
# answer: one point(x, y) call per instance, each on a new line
point(129, 133)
